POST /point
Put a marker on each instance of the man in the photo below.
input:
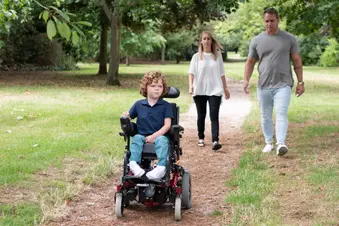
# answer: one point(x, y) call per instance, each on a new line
point(274, 50)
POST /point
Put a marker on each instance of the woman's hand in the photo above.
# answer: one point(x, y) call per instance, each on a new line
point(227, 94)
point(191, 90)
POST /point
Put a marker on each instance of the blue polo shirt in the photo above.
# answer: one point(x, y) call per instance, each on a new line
point(150, 118)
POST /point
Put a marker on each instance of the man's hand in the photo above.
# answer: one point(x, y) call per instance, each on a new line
point(299, 90)
point(245, 85)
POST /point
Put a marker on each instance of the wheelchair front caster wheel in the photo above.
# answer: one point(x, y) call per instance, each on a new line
point(119, 208)
point(177, 209)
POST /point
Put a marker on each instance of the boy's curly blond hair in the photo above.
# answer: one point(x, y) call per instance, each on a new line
point(149, 78)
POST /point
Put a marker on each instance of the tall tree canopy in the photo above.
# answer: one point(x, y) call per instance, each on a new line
point(311, 16)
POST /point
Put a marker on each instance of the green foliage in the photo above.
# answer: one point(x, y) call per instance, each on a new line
point(174, 14)
point(59, 21)
point(330, 58)
point(179, 44)
point(137, 44)
point(242, 25)
point(311, 48)
point(307, 17)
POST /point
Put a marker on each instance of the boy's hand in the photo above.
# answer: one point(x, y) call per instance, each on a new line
point(125, 114)
point(150, 139)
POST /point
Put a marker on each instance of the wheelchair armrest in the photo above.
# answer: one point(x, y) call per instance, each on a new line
point(129, 128)
point(175, 129)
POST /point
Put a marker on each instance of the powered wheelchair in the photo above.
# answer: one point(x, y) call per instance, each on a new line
point(173, 188)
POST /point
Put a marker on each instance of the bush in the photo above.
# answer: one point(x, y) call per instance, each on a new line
point(330, 57)
point(311, 48)
point(244, 46)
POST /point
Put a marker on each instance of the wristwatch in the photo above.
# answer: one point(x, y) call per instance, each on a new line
point(300, 83)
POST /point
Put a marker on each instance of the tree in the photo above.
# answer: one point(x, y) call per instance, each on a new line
point(171, 14)
point(178, 43)
point(137, 44)
point(307, 17)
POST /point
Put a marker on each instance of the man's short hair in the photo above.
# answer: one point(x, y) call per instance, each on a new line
point(271, 10)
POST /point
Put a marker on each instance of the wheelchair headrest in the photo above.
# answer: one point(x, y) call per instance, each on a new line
point(173, 92)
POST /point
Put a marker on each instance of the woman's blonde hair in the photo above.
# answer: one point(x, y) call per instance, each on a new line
point(149, 78)
point(215, 45)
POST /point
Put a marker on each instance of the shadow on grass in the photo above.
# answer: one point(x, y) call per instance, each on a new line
point(65, 79)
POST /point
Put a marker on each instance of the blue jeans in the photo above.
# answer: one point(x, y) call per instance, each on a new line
point(280, 99)
point(160, 145)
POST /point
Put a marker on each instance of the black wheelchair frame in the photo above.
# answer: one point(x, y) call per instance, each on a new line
point(173, 188)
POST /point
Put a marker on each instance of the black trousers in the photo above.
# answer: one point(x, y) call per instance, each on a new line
point(214, 106)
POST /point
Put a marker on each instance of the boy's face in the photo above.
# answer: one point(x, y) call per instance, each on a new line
point(155, 90)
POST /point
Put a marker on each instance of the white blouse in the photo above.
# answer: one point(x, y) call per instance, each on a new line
point(207, 74)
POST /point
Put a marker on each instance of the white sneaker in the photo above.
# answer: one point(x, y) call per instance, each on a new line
point(157, 173)
point(267, 148)
point(136, 169)
point(282, 149)
point(201, 143)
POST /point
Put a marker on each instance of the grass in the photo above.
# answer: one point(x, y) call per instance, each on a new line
point(275, 192)
point(59, 134)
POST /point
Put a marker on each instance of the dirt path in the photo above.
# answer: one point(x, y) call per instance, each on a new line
point(209, 171)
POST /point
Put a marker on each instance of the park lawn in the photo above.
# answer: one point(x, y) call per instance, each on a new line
point(301, 188)
point(61, 134)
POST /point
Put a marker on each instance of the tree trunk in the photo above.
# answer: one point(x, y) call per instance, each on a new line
point(178, 59)
point(113, 72)
point(103, 44)
point(127, 61)
point(163, 55)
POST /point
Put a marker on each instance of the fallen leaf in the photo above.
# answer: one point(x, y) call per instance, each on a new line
point(21, 156)
point(67, 202)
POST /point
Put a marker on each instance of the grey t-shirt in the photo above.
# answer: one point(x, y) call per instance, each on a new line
point(274, 55)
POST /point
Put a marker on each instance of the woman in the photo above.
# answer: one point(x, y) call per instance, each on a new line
point(207, 83)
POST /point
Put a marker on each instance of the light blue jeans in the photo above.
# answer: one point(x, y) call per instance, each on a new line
point(280, 99)
point(160, 146)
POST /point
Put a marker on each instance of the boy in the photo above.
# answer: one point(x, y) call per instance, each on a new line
point(154, 116)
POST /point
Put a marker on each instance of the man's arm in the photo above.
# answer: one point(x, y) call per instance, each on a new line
point(249, 67)
point(298, 69)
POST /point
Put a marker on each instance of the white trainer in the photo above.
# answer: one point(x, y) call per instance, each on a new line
point(282, 149)
point(267, 148)
point(157, 173)
point(136, 169)
point(201, 143)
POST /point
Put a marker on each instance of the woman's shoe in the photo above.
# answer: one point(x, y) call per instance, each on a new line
point(201, 143)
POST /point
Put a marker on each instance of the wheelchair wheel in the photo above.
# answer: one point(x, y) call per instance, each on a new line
point(119, 208)
point(177, 209)
point(186, 190)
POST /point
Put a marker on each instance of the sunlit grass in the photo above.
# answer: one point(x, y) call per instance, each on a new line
point(313, 137)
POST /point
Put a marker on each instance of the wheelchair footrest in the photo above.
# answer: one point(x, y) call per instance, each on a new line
point(141, 180)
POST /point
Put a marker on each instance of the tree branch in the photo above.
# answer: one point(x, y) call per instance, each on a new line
point(106, 10)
